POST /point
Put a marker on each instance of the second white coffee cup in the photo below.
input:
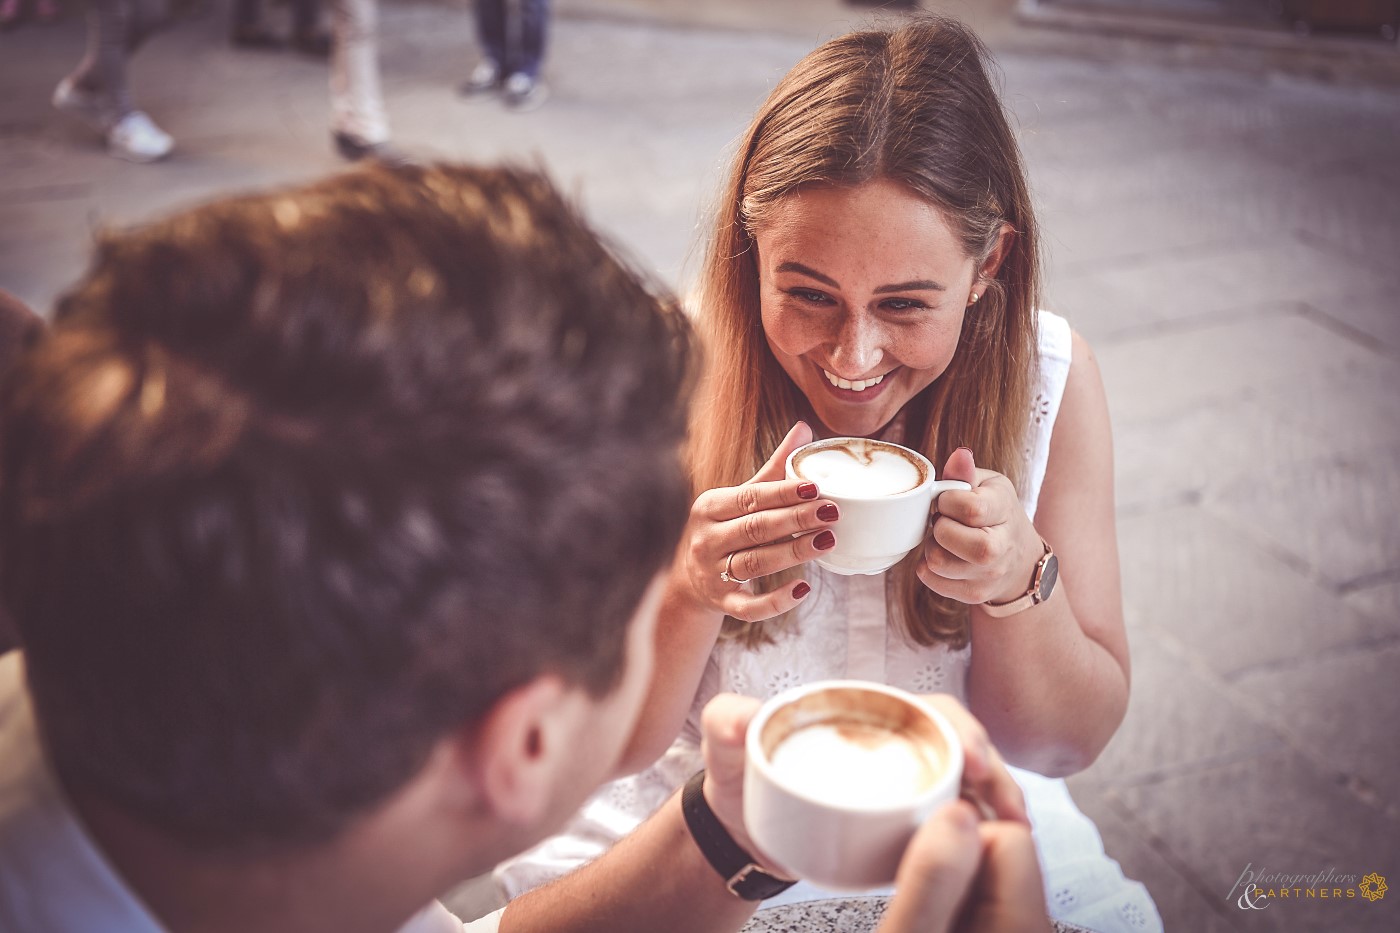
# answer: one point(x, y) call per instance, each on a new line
point(877, 528)
point(838, 776)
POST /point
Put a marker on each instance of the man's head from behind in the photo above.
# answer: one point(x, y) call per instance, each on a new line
point(301, 483)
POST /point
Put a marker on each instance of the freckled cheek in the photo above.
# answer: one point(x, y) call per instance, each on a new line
point(925, 356)
point(788, 335)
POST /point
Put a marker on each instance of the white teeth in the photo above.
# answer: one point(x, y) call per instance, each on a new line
point(859, 385)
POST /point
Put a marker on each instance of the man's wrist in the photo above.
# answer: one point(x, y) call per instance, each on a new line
point(730, 855)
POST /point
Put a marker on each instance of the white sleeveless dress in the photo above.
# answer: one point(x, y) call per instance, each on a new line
point(843, 632)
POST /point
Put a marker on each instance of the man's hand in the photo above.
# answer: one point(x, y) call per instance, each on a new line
point(724, 723)
point(962, 875)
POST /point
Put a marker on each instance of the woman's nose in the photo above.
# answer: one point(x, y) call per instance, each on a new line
point(859, 346)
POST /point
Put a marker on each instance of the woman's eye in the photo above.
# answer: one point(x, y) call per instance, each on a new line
point(808, 295)
point(904, 304)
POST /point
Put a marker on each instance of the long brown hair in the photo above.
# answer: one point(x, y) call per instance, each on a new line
point(913, 105)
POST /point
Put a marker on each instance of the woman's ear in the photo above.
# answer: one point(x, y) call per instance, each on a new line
point(1006, 239)
point(518, 749)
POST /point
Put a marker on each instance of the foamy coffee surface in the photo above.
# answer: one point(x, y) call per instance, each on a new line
point(854, 764)
point(858, 468)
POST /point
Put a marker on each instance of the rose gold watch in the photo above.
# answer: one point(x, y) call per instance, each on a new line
point(1047, 571)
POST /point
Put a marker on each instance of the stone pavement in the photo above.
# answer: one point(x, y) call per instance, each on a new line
point(1226, 234)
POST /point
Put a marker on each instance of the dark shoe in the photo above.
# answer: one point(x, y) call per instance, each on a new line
point(354, 149)
point(524, 92)
point(253, 37)
point(486, 76)
point(317, 44)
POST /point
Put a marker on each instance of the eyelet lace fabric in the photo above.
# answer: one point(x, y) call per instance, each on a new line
point(842, 630)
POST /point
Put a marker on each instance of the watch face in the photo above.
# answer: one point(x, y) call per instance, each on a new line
point(1048, 577)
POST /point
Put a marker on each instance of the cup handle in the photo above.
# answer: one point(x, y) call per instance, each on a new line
point(942, 486)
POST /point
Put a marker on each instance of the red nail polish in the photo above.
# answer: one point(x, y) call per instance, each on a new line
point(801, 590)
point(828, 513)
point(824, 541)
point(807, 491)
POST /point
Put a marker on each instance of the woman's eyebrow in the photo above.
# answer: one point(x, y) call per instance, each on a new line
point(809, 272)
point(916, 286)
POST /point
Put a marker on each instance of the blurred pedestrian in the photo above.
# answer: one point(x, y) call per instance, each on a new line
point(250, 32)
point(512, 34)
point(97, 93)
point(359, 125)
point(15, 12)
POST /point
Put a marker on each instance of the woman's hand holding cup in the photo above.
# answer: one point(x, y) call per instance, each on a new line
point(761, 527)
point(981, 545)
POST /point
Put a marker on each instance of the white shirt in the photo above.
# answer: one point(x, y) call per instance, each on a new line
point(53, 877)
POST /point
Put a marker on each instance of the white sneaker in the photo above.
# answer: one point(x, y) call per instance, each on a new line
point(136, 138)
point(524, 93)
point(93, 109)
point(486, 76)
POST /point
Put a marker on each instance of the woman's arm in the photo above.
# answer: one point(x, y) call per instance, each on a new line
point(1050, 683)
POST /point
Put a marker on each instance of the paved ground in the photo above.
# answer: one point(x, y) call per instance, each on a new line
point(1226, 233)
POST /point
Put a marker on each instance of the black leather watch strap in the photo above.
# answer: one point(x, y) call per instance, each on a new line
point(742, 876)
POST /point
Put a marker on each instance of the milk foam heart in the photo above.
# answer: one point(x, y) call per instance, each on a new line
point(855, 764)
point(858, 468)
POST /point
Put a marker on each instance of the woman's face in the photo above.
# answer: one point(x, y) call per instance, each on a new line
point(862, 293)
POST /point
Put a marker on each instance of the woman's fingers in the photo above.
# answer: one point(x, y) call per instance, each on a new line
point(774, 526)
point(765, 561)
point(985, 547)
point(768, 489)
point(731, 502)
point(750, 607)
point(987, 504)
point(776, 467)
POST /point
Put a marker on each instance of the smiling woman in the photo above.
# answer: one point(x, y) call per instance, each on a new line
point(873, 270)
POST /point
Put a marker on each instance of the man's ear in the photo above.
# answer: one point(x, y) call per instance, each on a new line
point(520, 749)
point(1006, 238)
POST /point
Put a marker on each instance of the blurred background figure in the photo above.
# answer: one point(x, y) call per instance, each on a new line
point(249, 31)
point(97, 92)
point(359, 125)
point(512, 34)
point(16, 12)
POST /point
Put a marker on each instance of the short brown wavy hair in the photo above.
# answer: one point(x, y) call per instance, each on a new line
point(300, 482)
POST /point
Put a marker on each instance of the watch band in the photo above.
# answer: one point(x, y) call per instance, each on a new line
point(742, 875)
point(1033, 595)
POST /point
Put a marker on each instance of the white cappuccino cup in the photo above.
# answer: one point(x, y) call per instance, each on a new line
point(884, 492)
point(840, 774)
